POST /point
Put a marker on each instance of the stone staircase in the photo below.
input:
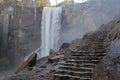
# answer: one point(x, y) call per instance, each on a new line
point(79, 66)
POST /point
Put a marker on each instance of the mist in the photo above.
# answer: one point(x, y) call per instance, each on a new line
point(86, 17)
point(24, 36)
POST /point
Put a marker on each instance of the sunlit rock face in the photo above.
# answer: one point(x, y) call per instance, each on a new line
point(50, 30)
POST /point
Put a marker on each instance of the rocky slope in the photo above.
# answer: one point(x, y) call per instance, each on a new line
point(24, 35)
point(24, 32)
point(97, 51)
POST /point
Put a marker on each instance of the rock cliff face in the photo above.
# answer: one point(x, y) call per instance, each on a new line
point(23, 34)
point(108, 69)
point(94, 57)
point(26, 34)
point(82, 18)
point(0, 33)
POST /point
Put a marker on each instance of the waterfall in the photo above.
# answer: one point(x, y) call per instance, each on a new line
point(7, 15)
point(5, 29)
point(50, 29)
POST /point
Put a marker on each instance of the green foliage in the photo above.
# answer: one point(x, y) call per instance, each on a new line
point(38, 3)
point(10, 2)
point(1, 1)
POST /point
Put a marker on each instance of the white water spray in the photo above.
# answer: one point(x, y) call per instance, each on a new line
point(50, 29)
point(5, 29)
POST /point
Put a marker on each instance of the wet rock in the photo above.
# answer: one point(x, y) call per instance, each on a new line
point(43, 66)
point(29, 63)
point(56, 59)
point(52, 51)
point(34, 71)
point(110, 65)
point(65, 45)
point(112, 60)
point(115, 32)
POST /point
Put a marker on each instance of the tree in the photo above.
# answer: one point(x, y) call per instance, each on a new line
point(42, 2)
point(1, 1)
point(10, 2)
point(69, 2)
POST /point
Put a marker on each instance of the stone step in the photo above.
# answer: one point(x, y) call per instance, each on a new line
point(76, 68)
point(71, 71)
point(84, 58)
point(97, 51)
point(78, 65)
point(78, 54)
point(69, 77)
point(81, 61)
point(88, 56)
point(86, 74)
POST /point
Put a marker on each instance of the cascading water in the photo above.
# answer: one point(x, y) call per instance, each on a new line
point(50, 29)
point(7, 15)
point(5, 29)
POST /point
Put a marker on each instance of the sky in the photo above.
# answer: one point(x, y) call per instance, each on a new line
point(53, 2)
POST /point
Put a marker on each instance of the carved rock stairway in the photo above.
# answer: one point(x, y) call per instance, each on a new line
point(79, 66)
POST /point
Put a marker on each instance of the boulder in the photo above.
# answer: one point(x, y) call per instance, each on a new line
point(65, 45)
point(30, 62)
